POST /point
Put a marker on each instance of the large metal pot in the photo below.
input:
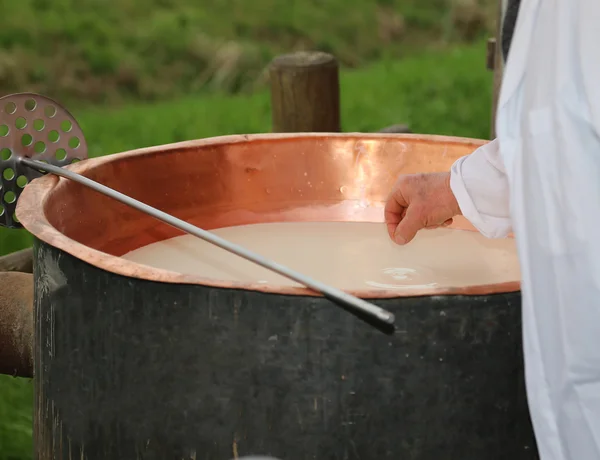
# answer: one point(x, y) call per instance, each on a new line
point(135, 362)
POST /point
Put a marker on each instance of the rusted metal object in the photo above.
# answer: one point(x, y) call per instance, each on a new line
point(133, 362)
point(16, 324)
point(19, 261)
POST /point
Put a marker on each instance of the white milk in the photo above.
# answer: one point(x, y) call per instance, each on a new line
point(347, 255)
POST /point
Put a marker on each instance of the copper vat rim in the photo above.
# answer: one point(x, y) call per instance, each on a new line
point(31, 205)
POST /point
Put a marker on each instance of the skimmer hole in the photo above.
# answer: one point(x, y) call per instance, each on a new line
point(74, 142)
point(26, 140)
point(66, 126)
point(30, 105)
point(39, 147)
point(61, 154)
point(22, 181)
point(4, 130)
point(15, 218)
point(75, 160)
point(10, 197)
point(53, 136)
point(39, 125)
point(1, 210)
point(10, 108)
point(50, 111)
point(8, 174)
point(5, 154)
point(20, 123)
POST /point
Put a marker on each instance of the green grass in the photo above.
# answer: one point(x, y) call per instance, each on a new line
point(112, 49)
point(16, 418)
point(437, 92)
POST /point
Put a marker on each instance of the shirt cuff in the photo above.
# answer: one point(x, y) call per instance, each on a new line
point(466, 192)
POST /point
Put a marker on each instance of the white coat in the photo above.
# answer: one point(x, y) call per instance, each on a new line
point(541, 179)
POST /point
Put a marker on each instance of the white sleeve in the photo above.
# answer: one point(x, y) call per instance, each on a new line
point(480, 186)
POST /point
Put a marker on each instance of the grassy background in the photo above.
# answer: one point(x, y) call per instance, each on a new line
point(106, 50)
point(144, 73)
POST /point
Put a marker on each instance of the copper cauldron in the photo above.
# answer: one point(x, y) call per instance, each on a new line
point(136, 362)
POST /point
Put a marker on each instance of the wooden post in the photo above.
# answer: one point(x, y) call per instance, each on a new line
point(496, 61)
point(305, 93)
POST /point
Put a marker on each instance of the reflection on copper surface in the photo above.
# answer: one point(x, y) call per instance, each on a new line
point(234, 180)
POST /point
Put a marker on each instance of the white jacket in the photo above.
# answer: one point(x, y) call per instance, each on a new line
point(541, 179)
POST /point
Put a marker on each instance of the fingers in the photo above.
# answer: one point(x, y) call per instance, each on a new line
point(417, 202)
point(409, 225)
point(394, 213)
point(443, 224)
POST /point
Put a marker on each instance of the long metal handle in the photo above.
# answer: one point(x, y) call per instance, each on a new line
point(364, 309)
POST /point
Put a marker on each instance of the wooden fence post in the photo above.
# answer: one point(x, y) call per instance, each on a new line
point(496, 63)
point(305, 93)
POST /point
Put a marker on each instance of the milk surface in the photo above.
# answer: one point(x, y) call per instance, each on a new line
point(347, 255)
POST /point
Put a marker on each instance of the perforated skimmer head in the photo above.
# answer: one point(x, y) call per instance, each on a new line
point(35, 127)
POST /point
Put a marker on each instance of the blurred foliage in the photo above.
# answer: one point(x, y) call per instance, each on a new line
point(106, 50)
point(16, 418)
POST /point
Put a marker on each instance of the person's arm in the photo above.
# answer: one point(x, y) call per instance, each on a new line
point(479, 184)
point(476, 187)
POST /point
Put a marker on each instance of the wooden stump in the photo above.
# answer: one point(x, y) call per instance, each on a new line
point(305, 93)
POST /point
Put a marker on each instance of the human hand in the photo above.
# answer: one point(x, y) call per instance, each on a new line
point(419, 201)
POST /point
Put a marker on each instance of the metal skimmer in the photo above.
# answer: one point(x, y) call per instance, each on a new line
point(35, 127)
point(38, 136)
